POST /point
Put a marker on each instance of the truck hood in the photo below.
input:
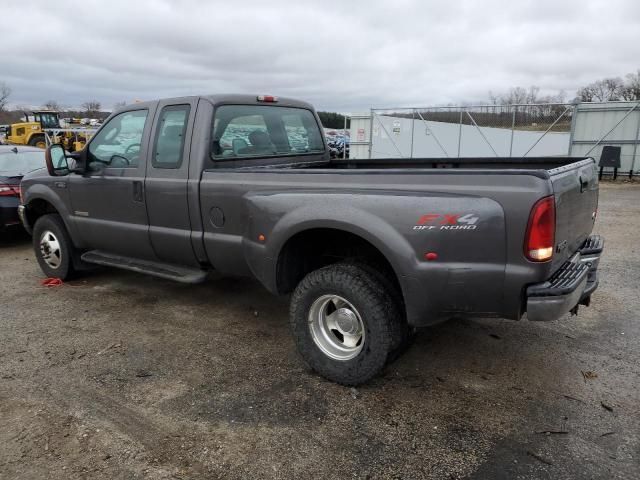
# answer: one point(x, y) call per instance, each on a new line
point(39, 173)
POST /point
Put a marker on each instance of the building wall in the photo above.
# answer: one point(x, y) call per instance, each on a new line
point(613, 123)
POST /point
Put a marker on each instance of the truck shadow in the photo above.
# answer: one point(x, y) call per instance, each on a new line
point(477, 354)
point(14, 236)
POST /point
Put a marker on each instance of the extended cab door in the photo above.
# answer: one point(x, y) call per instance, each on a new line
point(108, 200)
point(167, 179)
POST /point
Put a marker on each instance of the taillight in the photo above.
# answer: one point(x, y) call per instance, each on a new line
point(267, 98)
point(541, 231)
point(9, 190)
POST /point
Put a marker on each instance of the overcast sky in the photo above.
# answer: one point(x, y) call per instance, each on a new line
point(340, 55)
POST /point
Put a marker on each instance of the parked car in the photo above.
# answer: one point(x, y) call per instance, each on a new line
point(367, 249)
point(337, 148)
point(337, 142)
point(14, 163)
point(4, 131)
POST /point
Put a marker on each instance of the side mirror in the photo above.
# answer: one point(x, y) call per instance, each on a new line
point(56, 160)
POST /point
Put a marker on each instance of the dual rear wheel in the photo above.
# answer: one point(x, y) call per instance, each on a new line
point(347, 322)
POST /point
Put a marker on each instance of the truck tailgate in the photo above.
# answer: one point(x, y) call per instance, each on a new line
point(575, 188)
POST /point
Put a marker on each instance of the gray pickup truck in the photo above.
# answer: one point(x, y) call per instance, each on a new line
point(368, 249)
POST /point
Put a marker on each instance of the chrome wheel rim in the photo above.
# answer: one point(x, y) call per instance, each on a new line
point(336, 327)
point(50, 249)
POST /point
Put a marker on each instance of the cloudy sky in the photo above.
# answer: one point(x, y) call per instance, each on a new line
point(345, 55)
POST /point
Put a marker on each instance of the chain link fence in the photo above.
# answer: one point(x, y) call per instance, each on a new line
point(472, 131)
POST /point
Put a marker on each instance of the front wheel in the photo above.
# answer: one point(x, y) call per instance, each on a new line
point(343, 320)
point(38, 141)
point(53, 248)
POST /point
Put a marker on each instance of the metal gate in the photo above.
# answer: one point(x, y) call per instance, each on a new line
point(597, 125)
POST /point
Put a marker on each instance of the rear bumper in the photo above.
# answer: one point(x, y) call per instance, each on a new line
point(570, 286)
point(9, 211)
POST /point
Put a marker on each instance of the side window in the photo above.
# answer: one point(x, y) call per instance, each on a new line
point(168, 147)
point(118, 143)
point(264, 131)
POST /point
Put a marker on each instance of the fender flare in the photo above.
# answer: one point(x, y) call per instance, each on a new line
point(43, 192)
point(263, 259)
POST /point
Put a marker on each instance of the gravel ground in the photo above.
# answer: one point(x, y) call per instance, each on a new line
point(122, 376)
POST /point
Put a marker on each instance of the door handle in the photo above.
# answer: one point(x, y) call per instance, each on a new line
point(137, 191)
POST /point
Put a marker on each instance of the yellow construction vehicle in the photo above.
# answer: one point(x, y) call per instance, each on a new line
point(43, 127)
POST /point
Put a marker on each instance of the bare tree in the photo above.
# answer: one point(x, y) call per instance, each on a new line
point(532, 94)
point(5, 92)
point(586, 94)
point(516, 95)
point(631, 89)
point(91, 107)
point(605, 90)
point(611, 89)
point(51, 105)
point(119, 105)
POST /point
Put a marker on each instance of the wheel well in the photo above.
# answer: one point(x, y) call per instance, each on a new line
point(312, 249)
point(38, 208)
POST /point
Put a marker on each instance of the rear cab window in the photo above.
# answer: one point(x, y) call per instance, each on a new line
point(244, 131)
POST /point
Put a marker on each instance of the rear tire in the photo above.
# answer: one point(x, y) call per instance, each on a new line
point(53, 247)
point(402, 333)
point(351, 346)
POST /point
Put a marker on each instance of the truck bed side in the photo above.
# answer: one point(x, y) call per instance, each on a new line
point(480, 270)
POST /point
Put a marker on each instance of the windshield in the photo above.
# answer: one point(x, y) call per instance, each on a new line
point(49, 120)
point(18, 164)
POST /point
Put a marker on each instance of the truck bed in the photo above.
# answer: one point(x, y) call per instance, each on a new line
point(383, 199)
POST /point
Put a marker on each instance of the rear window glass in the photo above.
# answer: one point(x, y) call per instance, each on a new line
point(241, 131)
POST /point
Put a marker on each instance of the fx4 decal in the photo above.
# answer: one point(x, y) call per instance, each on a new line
point(447, 221)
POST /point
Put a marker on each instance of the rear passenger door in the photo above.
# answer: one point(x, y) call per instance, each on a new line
point(167, 180)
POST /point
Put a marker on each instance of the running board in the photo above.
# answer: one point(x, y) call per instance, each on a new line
point(157, 269)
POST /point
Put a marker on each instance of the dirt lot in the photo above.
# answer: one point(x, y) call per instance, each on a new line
point(119, 376)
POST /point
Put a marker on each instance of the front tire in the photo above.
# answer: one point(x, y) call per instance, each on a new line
point(343, 321)
point(53, 247)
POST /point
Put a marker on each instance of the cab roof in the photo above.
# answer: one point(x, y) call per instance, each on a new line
point(228, 99)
